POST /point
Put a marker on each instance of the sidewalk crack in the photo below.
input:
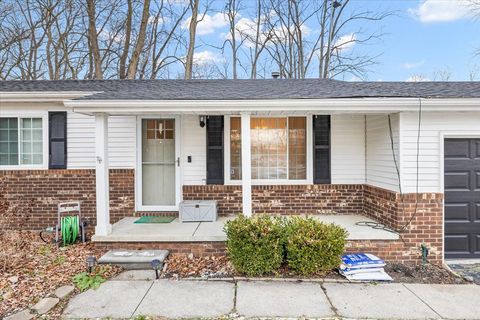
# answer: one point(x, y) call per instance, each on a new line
point(235, 288)
point(332, 307)
point(431, 308)
point(148, 290)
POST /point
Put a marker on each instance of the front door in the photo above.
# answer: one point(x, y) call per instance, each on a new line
point(462, 198)
point(158, 165)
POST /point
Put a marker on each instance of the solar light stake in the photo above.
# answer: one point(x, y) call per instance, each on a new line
point(91, 260)
point(155, 266)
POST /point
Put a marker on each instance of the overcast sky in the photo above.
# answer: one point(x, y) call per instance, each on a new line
point(422, 38)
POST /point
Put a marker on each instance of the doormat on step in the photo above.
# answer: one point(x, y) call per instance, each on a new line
point(155, 219)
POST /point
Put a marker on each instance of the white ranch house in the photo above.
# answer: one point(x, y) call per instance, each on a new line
point(406, 155)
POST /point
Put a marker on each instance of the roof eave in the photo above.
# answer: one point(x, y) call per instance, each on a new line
point(42, 96)
point(350, 105)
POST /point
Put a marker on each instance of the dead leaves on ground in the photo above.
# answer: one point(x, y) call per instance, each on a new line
point(31, 269)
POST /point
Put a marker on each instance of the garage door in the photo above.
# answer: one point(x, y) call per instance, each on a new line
point(462, 198)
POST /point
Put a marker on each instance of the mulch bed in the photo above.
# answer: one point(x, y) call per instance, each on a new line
point(31, 269)
point(184, 266)
point(427, 273)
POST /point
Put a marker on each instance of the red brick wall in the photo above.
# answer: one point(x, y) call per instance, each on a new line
point(417, 217)
point(283, 199)
point(29, 198)
point(198, 249)
point(388, 207)
point(229, 197)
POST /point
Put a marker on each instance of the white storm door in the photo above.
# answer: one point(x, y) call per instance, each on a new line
point(158, 167)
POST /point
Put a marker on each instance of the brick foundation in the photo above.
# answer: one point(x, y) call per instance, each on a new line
point(283, 199)
point(387, 207)
point(199, 249)
point(418, 218)
point(29, 198)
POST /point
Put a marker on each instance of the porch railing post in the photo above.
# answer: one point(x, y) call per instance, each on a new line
point(246, 165)
point(103, 226)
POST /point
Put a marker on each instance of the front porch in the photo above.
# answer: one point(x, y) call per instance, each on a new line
point(126, 231)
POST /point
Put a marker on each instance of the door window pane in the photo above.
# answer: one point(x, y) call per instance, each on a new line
point(8, 141)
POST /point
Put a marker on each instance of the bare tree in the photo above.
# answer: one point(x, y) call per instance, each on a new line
point(231, 11)
point(474, 73)
point(332, 44)
point(93, 39)
point(442, 74)
point(192, 33)
point(132, 67)
point(106, 39)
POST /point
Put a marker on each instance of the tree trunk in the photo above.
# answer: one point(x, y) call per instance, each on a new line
point(126, 47)
point(192, 34)
point(93, 40)
point(132, 67)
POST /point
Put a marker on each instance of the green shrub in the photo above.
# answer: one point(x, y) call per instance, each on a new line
point(255, 245)
point(312, 246)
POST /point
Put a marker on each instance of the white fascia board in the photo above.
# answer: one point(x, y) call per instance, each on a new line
point(353, 105)
point(42, 96)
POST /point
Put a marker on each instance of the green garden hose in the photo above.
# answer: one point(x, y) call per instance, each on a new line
point(70, 227)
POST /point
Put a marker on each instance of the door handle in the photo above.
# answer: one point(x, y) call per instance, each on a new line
point(178, 162)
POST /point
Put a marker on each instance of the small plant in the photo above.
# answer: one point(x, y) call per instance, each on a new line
point(312, 246)
point(255, 245)
point(85, 280)
point(59, 260)
point(44, 250)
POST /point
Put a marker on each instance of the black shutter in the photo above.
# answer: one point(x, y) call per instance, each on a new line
point(215, 150)
point(321, 149)
point(57, 140)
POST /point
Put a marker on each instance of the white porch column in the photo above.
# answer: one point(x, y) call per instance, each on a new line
point(246, 166)
point(103, 226)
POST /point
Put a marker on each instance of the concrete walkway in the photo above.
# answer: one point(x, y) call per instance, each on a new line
point(134, 293)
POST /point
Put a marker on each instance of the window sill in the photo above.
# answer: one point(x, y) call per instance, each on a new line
point(269, 182)
point(24, 167)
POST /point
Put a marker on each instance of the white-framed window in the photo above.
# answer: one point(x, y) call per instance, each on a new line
point(23, 141)
point(279, 152)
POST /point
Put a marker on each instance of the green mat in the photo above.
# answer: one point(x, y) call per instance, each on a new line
point(154, 219)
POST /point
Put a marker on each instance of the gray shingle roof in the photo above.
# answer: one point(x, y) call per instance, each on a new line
point(246, 89)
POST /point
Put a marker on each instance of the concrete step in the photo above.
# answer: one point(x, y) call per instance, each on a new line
point(134, 259)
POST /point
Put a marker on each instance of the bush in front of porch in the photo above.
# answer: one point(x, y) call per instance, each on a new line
point(255, 245)
point(262, 244)
point(312, 246)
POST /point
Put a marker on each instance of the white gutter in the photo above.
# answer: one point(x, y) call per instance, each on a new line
point(43, 96)
point(297, 105)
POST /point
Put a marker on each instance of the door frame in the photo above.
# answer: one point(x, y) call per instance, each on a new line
point(138, 170)
point(447, 134)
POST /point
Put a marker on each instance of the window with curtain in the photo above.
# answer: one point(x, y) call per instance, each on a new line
point(278, 148)
point(21, 141)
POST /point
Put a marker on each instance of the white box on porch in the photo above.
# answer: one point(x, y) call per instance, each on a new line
point(198, 210)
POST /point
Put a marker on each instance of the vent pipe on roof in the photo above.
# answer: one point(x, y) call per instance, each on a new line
point(275, 74)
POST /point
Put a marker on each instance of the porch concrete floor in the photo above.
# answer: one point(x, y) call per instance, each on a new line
point(126, 230)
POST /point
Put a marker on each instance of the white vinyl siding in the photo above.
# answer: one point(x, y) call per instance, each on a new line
point(81, 141)
point(381, 171)
point(348, 149)
point(434, 126)
point(194, 144)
